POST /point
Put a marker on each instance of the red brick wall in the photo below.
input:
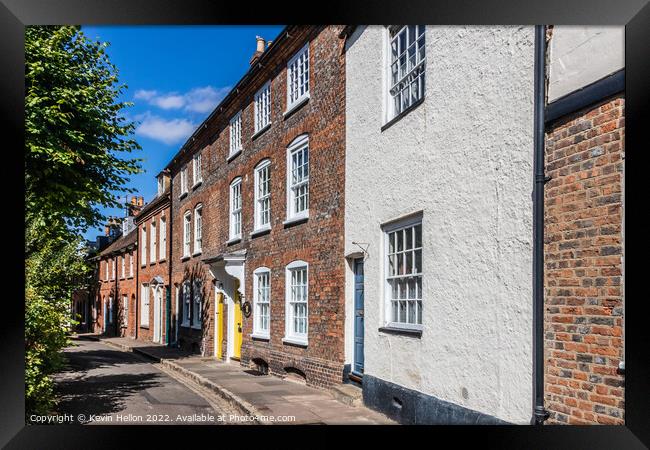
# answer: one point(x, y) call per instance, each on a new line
point(318, 241)
point(152, 269)
point(583, 257)
point(116, 287)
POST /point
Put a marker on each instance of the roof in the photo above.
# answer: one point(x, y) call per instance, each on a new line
point(158, 200)
point(253, 70)
point(120, 243)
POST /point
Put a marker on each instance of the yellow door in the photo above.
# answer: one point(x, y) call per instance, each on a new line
point(238, 328)
point(220, 325)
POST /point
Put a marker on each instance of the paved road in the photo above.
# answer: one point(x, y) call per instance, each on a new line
point(108, 386)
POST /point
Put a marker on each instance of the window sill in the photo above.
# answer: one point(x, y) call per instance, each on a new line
point(295, 220)
point(145, 327)
point(261, 131)
point(195, 328)
point(402, 114)
point(162, 260)
point(197, 253)
point(413, 332)
point(197, 184)
point(185, 325)
point(260, 232)
point(294, 341)
point(152, 263)
point(183, 195)
point(233, 156)
point(233, 240)
point(295, 107)
point(260, 337)
point(185, 258)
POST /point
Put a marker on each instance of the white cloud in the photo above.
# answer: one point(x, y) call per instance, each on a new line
point(167, 131)
point(198, 100)
point(169, 101)
point(144, 94)
point(204, 99)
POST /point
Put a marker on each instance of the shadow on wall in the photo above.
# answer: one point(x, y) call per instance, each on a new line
point(198, 281)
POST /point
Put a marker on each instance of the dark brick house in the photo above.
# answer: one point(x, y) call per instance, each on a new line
point(257, 206)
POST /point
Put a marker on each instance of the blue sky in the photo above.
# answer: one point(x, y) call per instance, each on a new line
point(175, 76)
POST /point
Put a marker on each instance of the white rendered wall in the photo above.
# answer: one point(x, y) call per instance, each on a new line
point(580, 55)
point(465, 158)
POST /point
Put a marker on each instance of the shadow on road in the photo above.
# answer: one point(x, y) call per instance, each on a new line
point(101, 394)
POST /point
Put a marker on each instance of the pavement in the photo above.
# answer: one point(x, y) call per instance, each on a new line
point(261, 399)
point(103, 385)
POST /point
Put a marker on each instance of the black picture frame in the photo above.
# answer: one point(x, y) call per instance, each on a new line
point(634, 14)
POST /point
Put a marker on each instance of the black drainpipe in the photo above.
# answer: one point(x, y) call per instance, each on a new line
point(539, 413)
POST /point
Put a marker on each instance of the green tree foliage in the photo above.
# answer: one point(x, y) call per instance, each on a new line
point(75, 134)
point(77, 145)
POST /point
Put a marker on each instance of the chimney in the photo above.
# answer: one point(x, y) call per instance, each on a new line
point(140, 201)
point(134, 200)
point(259, 50)
point(268, 44)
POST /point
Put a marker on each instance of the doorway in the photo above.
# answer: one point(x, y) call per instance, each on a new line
point(357, 368)
point(157, 315)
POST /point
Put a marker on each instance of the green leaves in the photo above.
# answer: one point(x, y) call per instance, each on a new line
point(76, 146)
point(76, 133)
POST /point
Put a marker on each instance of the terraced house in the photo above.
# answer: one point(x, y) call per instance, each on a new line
point(257, 234)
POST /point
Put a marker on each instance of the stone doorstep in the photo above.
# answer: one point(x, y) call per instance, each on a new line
point(348, 394)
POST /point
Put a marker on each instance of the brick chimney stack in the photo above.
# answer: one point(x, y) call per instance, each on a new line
point(259, 50)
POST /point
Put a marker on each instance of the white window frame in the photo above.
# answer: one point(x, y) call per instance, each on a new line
point(143, 250)
point(144, 304)
point(262, 199)
point(259, 301)
point(162, 251)
point(414, 71)
point(113, 267)
point(197, 175)
point(154, 241)
point(235, 135)
point(290, 334)
point(198, 229)
point(110, 309)
point(131, 264)
point(389, 318)
point(187, 229)
point(107, 273)
point(197, 294)
point(262, 107)
point(297, 63)
point(298, 145)
point(123, 265)
point(125, 309)
point(235, 209)
point(186, 295)
point(184, 188)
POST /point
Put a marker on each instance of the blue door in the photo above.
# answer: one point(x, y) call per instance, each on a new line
point(358, 317)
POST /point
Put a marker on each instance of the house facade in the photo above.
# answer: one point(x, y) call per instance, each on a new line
point(117, 272)
point(438, 221)
point(257, 253)
point(584, 242)
point(154, 306)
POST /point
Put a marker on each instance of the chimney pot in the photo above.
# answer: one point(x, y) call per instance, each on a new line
point(260, 43)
